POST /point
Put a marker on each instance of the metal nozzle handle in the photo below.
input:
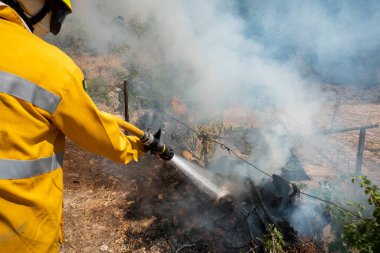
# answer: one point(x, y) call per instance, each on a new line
point(155, 145)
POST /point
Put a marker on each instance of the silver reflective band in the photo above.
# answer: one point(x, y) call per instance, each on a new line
point(17, 169)
point(28, 91)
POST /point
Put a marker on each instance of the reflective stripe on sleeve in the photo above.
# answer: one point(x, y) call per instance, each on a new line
point(28, 91)
point(17, 169)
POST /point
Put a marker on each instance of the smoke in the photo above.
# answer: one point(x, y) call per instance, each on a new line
point(337, 41)
point(209, 59)
point(262, 56)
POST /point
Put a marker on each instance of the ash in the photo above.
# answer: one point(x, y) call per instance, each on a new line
point(188, 220)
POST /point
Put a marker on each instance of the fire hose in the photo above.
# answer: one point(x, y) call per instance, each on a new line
point(152, 142)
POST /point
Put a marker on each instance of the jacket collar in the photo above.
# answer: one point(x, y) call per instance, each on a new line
point(7, 13)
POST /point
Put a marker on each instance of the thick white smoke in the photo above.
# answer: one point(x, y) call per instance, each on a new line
point(263, 56)
point(216, 63)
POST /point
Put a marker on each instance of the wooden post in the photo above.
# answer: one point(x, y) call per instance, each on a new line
point(204, 151)
point(359, 157)
point(138, 106)
point(126, 112)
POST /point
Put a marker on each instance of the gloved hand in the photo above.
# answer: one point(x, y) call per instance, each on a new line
point(137, 147)
point(152, 143)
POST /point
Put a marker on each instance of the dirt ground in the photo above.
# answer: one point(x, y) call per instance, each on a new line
point(96, 201)
point(100, 194)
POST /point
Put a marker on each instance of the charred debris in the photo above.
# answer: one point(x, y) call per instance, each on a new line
point(188, 220)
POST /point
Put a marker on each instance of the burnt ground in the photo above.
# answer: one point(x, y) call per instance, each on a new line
point(146, 207)
point(113, 208)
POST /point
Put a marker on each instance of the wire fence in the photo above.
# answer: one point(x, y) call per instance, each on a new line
point(231, 151)
point(342, 162)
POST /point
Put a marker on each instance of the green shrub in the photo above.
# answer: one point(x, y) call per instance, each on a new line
point(98, 89)
point(273, 240)
point(353, 231)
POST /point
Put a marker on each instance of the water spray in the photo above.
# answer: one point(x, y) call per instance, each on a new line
point(154, 144)
point(194, 174)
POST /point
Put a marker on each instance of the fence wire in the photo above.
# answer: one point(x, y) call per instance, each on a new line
point(230, 151)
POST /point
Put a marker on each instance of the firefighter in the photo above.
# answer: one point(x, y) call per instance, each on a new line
point(42, 100)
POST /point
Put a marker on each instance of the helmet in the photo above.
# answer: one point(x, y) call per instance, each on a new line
point(59, 10)
point(68, 4)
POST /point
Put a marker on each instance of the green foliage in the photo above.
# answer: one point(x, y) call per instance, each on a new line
point(273, 240)
point(98, 90)
point(354, 231)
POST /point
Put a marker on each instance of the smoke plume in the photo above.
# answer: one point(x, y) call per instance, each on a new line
point(266, 56)
point(335, 41)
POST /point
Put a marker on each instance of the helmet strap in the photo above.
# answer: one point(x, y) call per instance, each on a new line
point(40, 15)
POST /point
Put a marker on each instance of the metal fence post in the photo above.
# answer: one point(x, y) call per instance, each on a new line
point(126, 111)
point(359, 157)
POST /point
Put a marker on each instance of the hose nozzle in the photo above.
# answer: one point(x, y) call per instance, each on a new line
point(155, 145)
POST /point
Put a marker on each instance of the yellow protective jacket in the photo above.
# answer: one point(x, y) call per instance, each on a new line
point(42, 100)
